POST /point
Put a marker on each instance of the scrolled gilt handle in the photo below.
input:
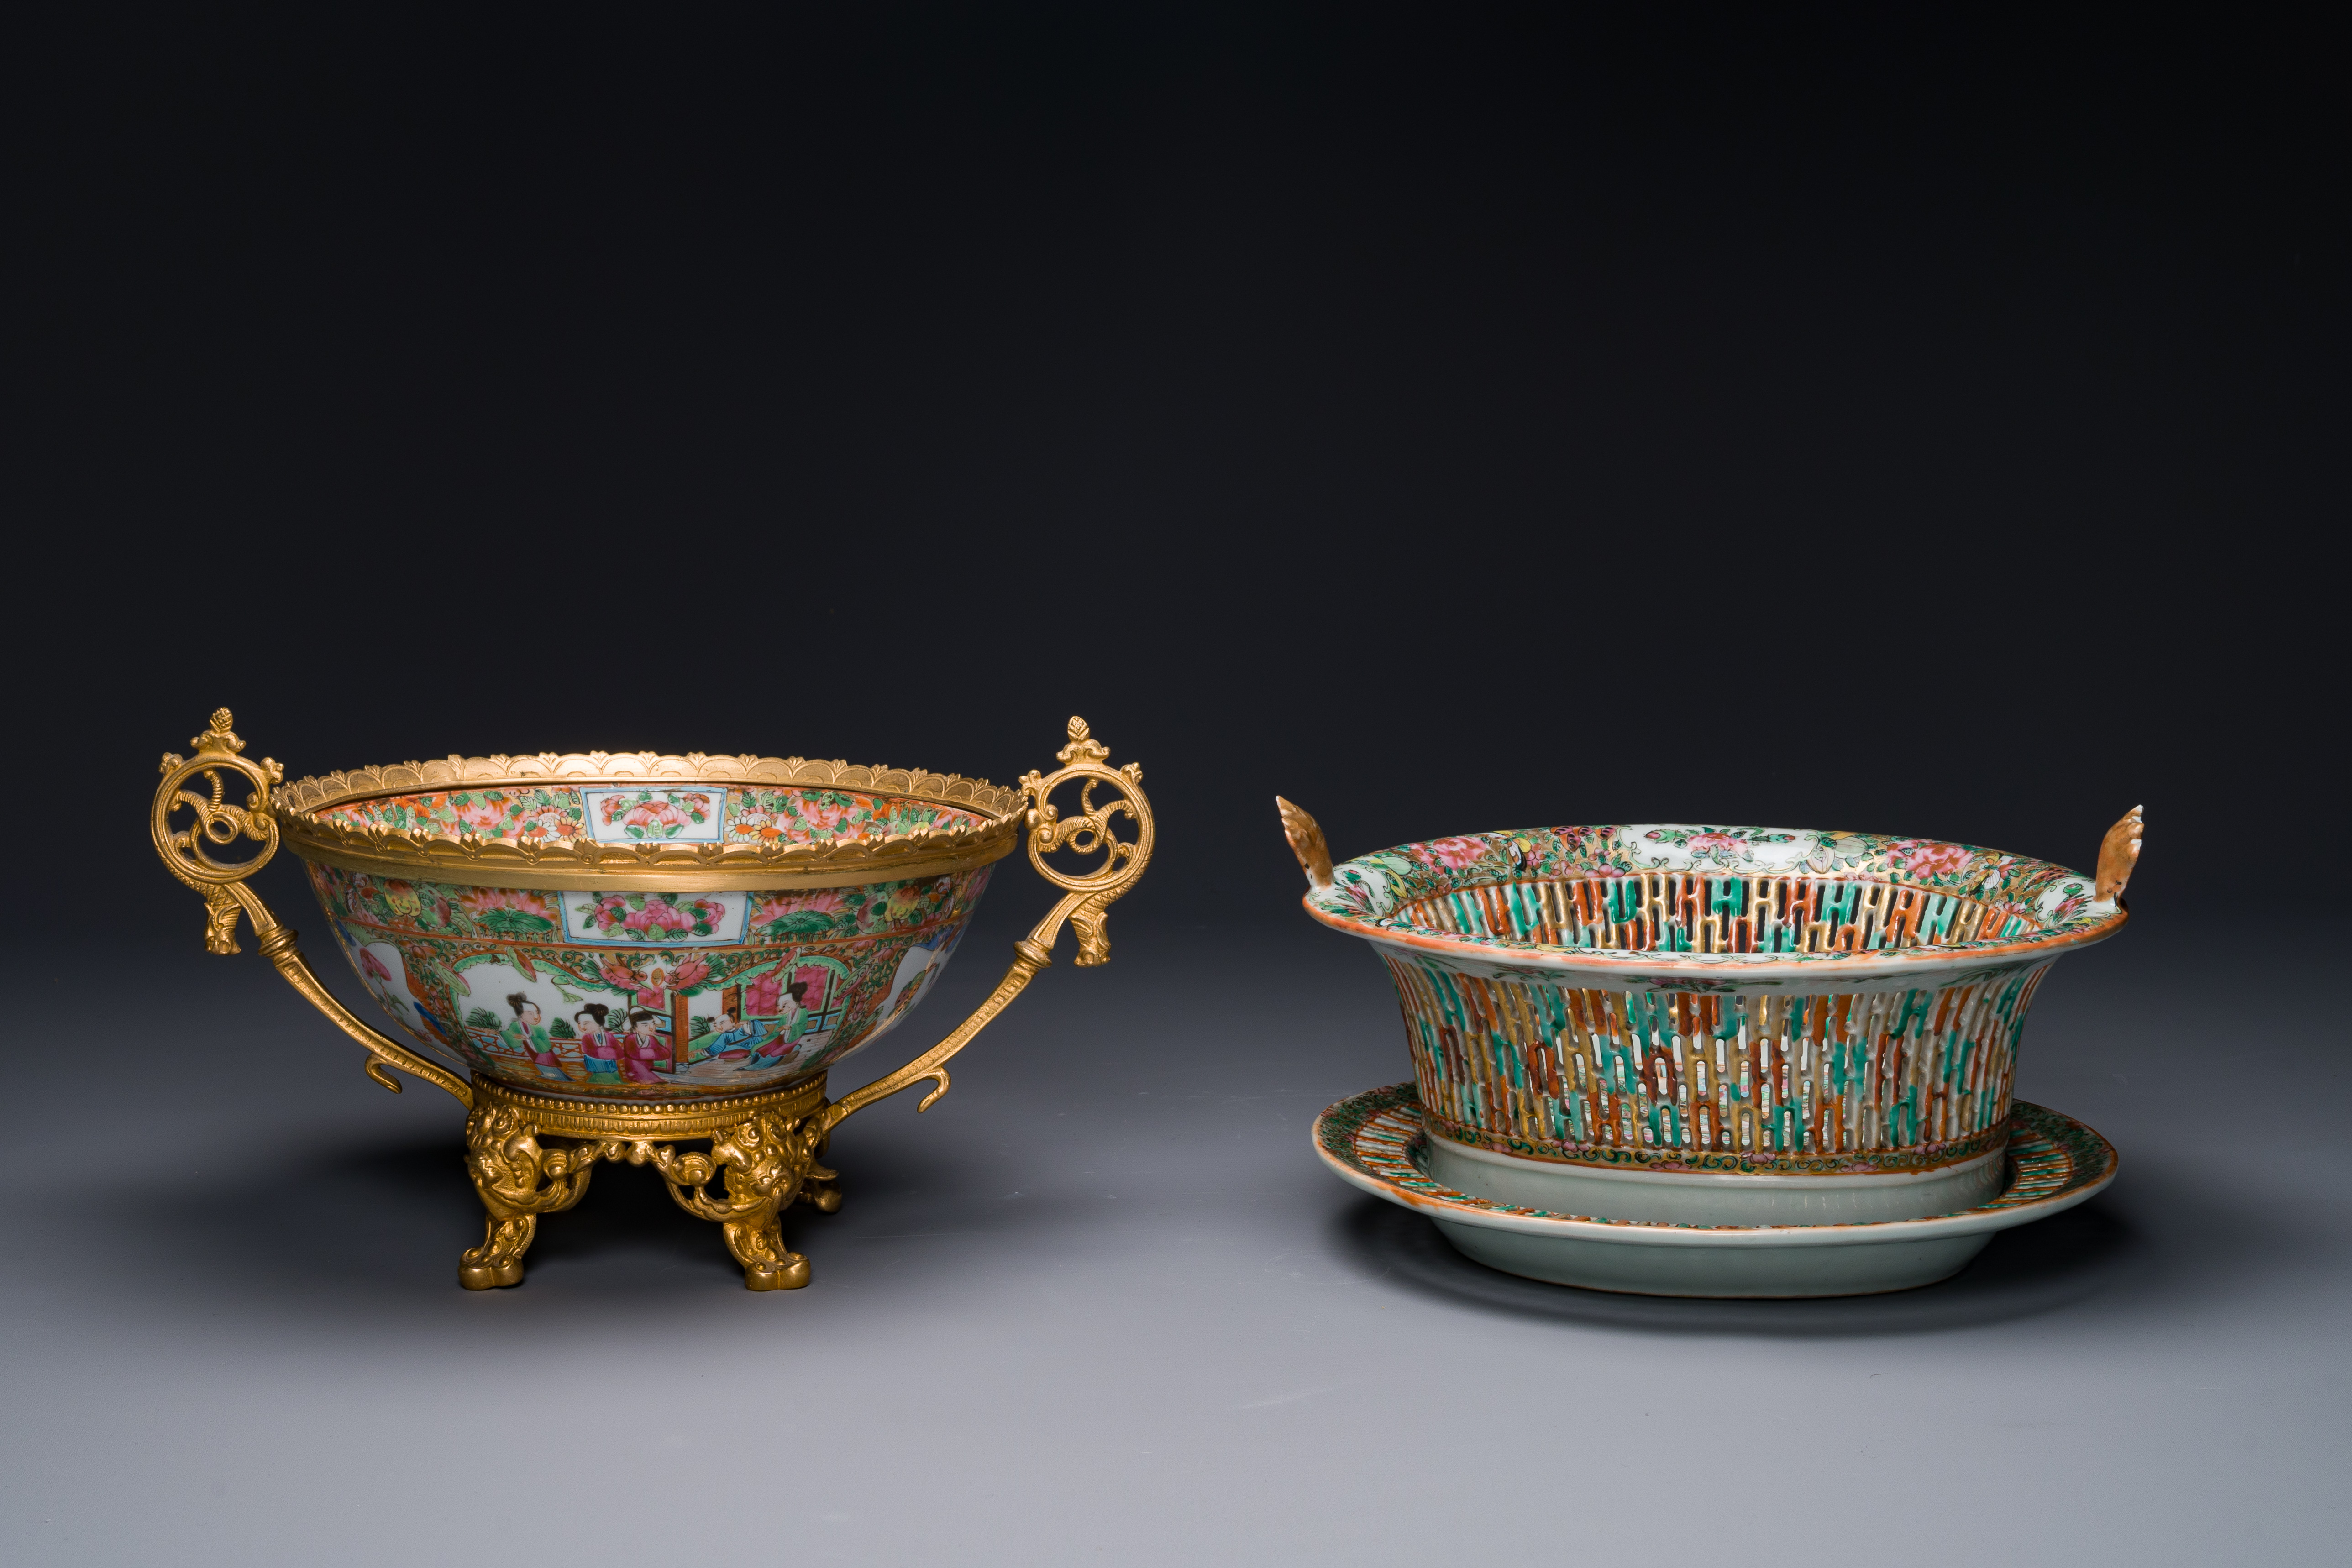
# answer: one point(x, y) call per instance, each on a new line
point(1086, 895)
point(185, 854)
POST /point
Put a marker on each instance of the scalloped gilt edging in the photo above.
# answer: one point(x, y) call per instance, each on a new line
point(377, 846)
point(305, 796)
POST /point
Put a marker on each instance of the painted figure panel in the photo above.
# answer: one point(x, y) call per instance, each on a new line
point(647, 996)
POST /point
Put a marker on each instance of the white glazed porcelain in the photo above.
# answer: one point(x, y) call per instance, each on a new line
point(1374, 1141)
point(1705, 1197)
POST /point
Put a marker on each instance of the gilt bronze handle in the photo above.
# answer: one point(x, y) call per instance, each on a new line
point(218, 825)
point(1085, 898)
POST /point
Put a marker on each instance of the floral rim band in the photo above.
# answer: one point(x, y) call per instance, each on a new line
point(1514, 897)
point(970, 822)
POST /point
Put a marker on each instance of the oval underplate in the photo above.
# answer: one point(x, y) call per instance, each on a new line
point(1374, 1141)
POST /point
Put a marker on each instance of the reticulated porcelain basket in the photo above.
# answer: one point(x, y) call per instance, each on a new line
point(1714, 1025)
point(606, 954)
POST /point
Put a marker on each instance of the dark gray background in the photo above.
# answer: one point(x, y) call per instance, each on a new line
point(1926, 426)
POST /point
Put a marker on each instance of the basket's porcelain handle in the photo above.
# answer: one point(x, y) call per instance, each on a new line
point(1085, 762)
point(1305, 836)
point(220, 824)
point(2118, 854)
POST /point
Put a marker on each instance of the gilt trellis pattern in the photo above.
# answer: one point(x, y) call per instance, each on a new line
point(1828, 1081)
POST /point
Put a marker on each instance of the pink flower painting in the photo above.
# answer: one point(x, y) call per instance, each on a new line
point(646, 815)
point(1455, 853)
point(655, 917)
point(482, 813)
point(1924, 859)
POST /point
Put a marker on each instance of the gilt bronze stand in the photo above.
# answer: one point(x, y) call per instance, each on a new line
point(530, 1155)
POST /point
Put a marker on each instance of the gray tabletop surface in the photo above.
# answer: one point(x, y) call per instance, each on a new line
point(1103, 1305)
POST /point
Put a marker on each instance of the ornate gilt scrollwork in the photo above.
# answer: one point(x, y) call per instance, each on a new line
point(217, 824)
point(762, 1161)
point(761, 1164)
point(518, 1179)
point(1085, 897)
point(187, 853)
point(1085, 762)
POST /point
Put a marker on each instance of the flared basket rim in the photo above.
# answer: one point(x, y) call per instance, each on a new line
point(1364, 893)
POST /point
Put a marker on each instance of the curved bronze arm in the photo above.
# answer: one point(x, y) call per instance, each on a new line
point(1085, 762)
point(220, 824)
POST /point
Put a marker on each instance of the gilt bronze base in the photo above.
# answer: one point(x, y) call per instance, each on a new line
point(530, 1155)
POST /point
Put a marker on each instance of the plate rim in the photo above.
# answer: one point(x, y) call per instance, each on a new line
point(1446, 1206)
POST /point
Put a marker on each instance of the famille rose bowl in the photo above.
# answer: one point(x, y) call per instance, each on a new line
point(609, 952)
point(646, 930)
point(1715, 1026)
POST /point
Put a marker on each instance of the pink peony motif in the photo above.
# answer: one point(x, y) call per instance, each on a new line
point(826, 819)
point(1703, 844)
point(1455, 852)
point(692, 970)
point(481, 814)
point(655, 815)
point(658, 920)
point(1921, 858)
point(776, 905)
point(372, 966)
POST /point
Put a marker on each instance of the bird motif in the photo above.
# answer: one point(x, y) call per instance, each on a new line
point(2118, 853)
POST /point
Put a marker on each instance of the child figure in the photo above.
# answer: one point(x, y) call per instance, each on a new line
point(729, 1037)
point(642, 1048)
point(788, 1028)
point(600, 1054)
point(527, 1036)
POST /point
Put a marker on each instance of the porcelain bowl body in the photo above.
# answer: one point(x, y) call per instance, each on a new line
point(648, 929)
point(1714, 1025)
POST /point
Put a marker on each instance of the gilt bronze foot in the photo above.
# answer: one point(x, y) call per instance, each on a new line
point(532, 1155)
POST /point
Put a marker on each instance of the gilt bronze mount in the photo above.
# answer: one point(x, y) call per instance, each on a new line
point(686, 946)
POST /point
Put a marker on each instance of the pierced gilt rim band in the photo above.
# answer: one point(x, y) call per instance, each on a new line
point(573, 863)
point(1646, 969)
